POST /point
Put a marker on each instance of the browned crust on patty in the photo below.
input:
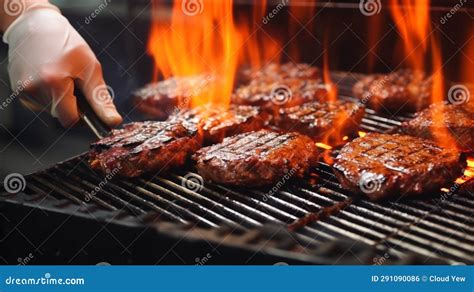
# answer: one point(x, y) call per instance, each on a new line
point(320, 120)
point(383, 165)
point(145, 147)
point(396, 92)
point(257, 158)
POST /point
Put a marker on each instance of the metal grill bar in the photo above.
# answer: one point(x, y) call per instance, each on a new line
point(431, 227)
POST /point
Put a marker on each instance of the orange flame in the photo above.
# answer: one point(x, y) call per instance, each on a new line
point(470, 162)
point(412, 20)
point(330, 86)
point(440, 132)
point(467, 70)
point(200, 38)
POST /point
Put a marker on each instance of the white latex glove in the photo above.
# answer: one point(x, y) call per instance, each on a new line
point(46, 51)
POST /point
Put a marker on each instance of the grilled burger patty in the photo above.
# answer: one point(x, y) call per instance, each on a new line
point(383, 165)
point(145, 147)
point(457, 121)
point(160, 99)
point(275, 72)
point(215, 123)
point(399, 91)
point(319, 120)
point(276, 94)
point(257, 158)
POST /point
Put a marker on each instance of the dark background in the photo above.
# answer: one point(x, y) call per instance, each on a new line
point(31, 141)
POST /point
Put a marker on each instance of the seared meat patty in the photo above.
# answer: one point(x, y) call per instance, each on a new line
point(441, 120)
point(274, 71)
point(215, 122)
point(276, 94)
point(400, 91)
point(160, 99)
point(320, 120)
point(383, 165)
point(145, 147)
point(257, 158)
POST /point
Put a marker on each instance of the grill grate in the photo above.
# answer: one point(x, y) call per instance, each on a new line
point(437, 227)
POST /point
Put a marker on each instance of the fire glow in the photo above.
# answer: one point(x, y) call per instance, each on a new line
point(210, 47)
point(205, 38)
point(412, 18)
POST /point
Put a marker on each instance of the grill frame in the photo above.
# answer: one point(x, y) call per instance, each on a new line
point(246, 222)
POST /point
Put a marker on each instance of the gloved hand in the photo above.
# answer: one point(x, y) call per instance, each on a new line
point(48, 57)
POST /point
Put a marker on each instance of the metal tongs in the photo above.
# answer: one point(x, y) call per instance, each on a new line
point(89, 117)
point(86, 113)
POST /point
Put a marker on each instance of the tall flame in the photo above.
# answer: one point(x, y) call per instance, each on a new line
point(412, 20)
point(200, 38)
point(467, 69)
